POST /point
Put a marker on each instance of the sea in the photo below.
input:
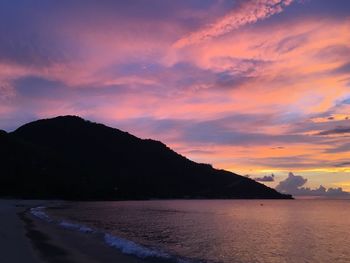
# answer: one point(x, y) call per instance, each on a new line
point(213, 231)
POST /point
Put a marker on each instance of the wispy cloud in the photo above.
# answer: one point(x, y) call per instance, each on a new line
point(247, 12)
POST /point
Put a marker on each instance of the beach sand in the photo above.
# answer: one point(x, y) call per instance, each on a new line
point(24, 238)
point(14, 245)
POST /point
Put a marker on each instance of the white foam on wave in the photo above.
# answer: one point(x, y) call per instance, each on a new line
point(77, 227)
point(40, 213)
point(124, 245)
point(129, 247)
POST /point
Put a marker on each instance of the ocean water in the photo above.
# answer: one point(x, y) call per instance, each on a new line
point(228, 231)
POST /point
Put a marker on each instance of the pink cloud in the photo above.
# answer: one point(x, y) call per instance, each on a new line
point(247, 12)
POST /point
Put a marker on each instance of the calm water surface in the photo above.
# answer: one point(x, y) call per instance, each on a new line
point(227, 231)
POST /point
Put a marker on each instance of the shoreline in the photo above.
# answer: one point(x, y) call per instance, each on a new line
point(15, 246)
point(26, 238)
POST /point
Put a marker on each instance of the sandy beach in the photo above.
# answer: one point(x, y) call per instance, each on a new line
point(14, 245)
point(24, 238)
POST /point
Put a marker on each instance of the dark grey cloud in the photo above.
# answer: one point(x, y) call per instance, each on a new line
point(343, 69)
point(338, 130)
point(343, 164)
point(345, 147)
point(329, 123)
point(294, 185)
point(307, 124)
point(266, 178)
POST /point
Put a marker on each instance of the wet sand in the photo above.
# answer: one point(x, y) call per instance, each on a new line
point(14, 245)
point(24, 238)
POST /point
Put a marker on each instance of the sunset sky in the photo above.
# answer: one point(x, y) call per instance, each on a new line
point(252, 86)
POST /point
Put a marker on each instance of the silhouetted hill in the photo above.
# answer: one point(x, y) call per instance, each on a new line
point(70, 158)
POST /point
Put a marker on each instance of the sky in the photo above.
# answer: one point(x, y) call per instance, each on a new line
point(257, 87)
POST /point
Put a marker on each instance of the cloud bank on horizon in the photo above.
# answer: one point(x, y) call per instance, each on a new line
point(294, 184)
point(255, 87)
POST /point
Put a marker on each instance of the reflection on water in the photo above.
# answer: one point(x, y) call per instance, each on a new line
point(227, 230)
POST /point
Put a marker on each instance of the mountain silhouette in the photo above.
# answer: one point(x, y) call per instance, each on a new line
point(68, 157)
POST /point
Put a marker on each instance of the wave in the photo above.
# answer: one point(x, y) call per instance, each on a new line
point(123, 245)
point(76, 227)
point(129, 247)
point(40, 213)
